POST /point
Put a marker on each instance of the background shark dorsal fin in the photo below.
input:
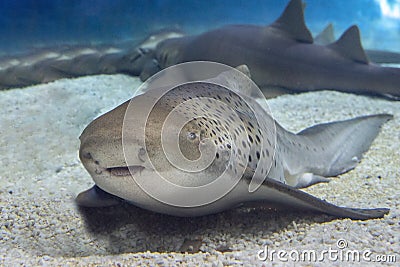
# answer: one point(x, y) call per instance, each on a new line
point(327, 36)
point(349, 45)
point(292, 22)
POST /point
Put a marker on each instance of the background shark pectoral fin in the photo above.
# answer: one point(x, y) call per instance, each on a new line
point(149, 69)
point(271, 91)
point(96, 198)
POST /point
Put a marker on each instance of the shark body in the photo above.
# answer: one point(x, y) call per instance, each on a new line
point(279, 160)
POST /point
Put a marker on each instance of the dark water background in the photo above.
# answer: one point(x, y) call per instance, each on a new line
point(26, 24)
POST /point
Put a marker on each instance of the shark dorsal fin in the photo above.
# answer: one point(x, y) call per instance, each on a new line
point(238, 80)
point(349, 45)
point(292, 22)
point(244, 69)
point(327, 36)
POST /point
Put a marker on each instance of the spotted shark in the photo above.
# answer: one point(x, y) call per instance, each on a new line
point(283, 57)
point(122, 157)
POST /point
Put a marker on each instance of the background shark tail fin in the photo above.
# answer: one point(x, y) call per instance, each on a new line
point(337, 147)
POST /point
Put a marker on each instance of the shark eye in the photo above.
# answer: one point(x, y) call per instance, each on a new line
point(191, 135)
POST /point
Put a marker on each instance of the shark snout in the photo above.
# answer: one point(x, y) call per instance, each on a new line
point(102, 168)
point(100, 156)
point(102, 145)
point(113, 154)
point(91, 164)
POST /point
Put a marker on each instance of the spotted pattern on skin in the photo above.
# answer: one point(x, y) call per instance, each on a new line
point(217, 114)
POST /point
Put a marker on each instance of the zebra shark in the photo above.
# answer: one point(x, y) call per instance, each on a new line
point(126, 151)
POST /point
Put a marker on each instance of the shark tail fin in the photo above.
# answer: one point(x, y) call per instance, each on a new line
point(341, 144)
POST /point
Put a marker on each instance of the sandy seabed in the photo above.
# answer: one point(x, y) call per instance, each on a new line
point(40, 175)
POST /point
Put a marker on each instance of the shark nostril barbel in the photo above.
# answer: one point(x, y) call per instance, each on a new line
point(87, 155)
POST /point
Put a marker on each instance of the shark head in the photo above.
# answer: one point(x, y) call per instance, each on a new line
point(102, 154)
point(190, 136)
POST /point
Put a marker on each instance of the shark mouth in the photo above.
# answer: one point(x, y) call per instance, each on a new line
point(125, 171)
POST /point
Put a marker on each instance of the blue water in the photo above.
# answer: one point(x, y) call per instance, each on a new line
point(35, 23)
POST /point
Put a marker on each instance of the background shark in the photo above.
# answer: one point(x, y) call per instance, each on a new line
point(282, 57)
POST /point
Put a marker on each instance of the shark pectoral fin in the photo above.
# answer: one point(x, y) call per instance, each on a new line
point(96, 198)
point(284, 195)
point(307, 179)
